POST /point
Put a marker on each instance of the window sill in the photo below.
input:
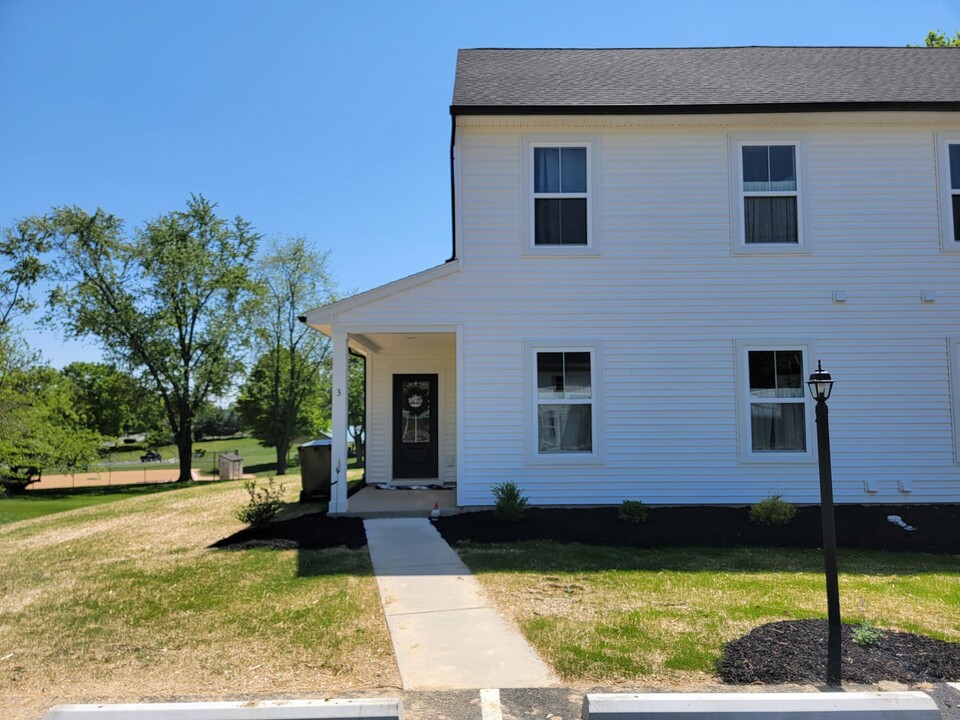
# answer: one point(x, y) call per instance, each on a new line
point(561, 251)
point(771, 249)
point(560, 460)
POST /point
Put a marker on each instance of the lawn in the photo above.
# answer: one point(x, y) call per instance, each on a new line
point(123, 601)
point(38, 503)
point(605, 615)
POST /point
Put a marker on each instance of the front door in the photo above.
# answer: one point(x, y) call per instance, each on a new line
point(415, 427)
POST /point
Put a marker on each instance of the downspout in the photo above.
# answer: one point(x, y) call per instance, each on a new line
point(453, 185)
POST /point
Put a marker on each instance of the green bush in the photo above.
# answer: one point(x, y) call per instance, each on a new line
point(264, 503)
point(772, 510)
point(510, 504)
point(866, 634)
point(633, 511)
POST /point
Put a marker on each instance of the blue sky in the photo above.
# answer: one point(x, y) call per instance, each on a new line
point(323, 119)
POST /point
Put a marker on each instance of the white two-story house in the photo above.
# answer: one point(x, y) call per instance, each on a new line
point(652, 250)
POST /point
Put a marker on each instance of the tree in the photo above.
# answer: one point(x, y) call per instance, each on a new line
point(113, 402)
point(166, 303)
point(214, 421)
point(21, 266)
point(936, 38)
point(357, 406)
point(283, 397)
point(39, 429)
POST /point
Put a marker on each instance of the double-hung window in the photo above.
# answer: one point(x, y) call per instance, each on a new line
point(775, 421)
point(564, 402)
point(560, 208)
point(564, 420)
point(559, 196)
point(950, 190)
point(768, 195)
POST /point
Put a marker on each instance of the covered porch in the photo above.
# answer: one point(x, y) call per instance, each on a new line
point(411, 417)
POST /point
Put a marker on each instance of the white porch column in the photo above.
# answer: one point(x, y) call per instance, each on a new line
point(338, 455)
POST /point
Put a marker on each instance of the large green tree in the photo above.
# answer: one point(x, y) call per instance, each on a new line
point(166, 302)
point(937, 38)
point(21, 266)
point(285, 395)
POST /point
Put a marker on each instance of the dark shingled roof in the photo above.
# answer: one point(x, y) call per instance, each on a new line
point(673, 80)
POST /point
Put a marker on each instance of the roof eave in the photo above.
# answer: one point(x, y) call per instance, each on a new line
point(705, 109)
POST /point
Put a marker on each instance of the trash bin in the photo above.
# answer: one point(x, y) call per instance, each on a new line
point(315, 470)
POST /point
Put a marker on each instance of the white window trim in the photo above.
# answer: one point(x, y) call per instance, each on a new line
point(953, 353)
point(744, 431)
point(947, 243)
point(738, 234)
point(528, 248)
point(531, 430)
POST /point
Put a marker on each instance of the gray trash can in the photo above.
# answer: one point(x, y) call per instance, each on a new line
point(315, 470)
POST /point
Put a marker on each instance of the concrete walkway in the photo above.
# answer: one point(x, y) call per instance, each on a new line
point(445, 634)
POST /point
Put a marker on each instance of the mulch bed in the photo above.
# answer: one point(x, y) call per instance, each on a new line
point(858, 526)
point(795, 651)
point(308, 532)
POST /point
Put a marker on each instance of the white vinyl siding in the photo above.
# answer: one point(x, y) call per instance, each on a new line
point(668, 300)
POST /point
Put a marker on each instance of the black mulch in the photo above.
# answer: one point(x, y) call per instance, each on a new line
point(858, 526)
point(307, 532)
point(795, 651)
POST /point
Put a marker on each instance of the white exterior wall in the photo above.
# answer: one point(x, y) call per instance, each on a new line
point(667, 301)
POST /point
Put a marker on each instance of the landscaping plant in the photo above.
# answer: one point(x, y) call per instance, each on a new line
point(772, 510)
point(264, 503)
point(633, 511)
point(510, 503)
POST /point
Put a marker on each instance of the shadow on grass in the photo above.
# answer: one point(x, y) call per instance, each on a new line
point(100, 490)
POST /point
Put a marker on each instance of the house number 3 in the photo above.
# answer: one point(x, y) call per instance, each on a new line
point(338, 392)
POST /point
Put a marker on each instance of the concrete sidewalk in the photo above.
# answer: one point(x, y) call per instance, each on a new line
point(445, 634)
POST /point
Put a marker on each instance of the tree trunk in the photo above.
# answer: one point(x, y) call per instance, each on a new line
point(283, 447)
point(185, 446)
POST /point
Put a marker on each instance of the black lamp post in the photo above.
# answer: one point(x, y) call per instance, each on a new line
point(821, 384)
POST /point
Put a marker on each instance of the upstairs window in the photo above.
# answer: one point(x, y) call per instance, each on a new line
point(561, 195)
point(953, 159)
point(769, 177)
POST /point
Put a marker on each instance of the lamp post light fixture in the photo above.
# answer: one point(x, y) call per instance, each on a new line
point(821, 385)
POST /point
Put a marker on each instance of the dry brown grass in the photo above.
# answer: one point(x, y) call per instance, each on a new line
point(123, 602)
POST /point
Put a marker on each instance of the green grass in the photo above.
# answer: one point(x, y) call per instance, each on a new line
point(124, 601)
point(601, 614)
point(37, 503)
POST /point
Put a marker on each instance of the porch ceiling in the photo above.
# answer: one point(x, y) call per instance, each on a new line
point(393, 342)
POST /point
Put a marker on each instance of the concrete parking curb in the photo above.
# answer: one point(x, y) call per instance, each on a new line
point(335, 709)
point(762, 706)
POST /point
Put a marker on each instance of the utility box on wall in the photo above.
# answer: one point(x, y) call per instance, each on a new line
point(231, 466)
point(315, 470)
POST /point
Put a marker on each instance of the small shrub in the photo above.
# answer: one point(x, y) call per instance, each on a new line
point(633, 511)
point(510, 504)
point(264, 503)
point(772, 510)
point(866, 634)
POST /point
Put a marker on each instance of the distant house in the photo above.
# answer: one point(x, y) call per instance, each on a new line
point(652, 250)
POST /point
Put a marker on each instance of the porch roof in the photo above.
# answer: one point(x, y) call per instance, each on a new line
point(324, 317)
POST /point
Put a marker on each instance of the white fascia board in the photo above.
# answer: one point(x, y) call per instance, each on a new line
point(322, 318)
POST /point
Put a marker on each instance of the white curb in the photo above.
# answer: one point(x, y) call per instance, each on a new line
point(762, 706)
point(339, 709)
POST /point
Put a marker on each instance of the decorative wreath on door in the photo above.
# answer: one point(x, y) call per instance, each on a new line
point(415, 400)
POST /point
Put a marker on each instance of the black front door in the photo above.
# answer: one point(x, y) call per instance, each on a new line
point(415, 427)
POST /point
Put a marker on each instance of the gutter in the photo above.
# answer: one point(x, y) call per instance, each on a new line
point(453, 186)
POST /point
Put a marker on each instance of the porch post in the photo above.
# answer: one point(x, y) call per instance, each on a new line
point(338, 456)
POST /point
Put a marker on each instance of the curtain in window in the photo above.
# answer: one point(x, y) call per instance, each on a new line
point(770, 219)
point(565, 428)
point(778, 427)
